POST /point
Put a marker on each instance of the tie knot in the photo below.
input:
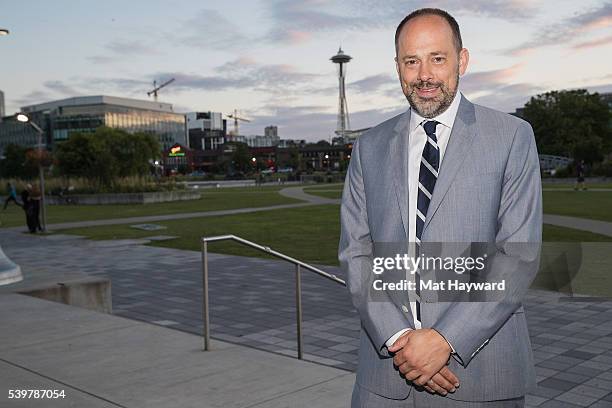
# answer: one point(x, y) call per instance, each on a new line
point(430, 127)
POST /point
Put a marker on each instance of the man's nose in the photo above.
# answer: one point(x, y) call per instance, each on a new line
point(425, 72)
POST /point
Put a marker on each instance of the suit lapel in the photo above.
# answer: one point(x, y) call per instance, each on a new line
point(398, 152)
point(461, 138)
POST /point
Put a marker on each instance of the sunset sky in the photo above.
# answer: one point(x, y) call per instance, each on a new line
point(270, 58)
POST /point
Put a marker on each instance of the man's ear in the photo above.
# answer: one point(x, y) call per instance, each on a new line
point(464, 59)
point(396, 65)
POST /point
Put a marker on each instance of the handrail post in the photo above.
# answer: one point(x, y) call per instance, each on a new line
point(298, 285)
point(205, 315)
point(298, 308)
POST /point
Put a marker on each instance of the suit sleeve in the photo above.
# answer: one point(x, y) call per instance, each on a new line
point(380, 318)
point(516, 257)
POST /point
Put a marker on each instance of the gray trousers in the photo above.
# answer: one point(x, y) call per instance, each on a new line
point(363, 398)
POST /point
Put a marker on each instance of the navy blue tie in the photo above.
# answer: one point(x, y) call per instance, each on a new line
point(428, 174)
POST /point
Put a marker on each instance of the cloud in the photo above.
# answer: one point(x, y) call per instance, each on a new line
point(122, 49)
point(373, 83)
point(496, 90)
point(267, 78)
point(52, 89)
point(101, 59)
point(313, 123)
point(394, 10)
point(237, 65)
point(567, 30)
point(61, 88)
point(34, 97)
point(486, 80)
point(508, 98)
point(296, 21)
point(243, 74)
point(593, 43)
point(209, 29)
point(600, 88)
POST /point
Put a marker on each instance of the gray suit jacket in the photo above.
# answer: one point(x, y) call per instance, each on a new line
point(488, 190)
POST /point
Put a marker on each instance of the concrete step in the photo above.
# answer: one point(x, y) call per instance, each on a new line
point(112, 361)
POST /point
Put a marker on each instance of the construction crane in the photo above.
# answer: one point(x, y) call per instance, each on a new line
point(157, 88)
point(236, 119)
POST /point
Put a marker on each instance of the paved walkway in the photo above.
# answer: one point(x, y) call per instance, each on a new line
point(292, 192)
point(299, 194)
point(165, 217)
point(101, 360)
point(599, 227)
point(584, 224)
point(252, 304)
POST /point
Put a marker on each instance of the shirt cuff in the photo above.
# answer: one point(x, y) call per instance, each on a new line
point(396, 336)
point(449, 343)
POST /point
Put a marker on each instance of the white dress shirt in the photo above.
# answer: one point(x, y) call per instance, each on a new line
point(416, 142)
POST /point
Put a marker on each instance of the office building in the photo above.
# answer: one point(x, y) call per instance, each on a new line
point(59, 119)
point(271, 131)
point(206, 130)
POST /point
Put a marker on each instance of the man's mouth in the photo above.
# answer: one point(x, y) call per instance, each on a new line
point(427, 91)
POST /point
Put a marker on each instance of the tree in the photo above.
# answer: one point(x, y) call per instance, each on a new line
point(18, 162)
point(106, 155)
point(571, 123)
point(241, 157)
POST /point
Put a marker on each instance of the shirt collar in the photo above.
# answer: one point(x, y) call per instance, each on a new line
point(446, 118)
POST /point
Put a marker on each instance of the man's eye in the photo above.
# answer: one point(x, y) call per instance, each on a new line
point(438, 59)
point(410, 62)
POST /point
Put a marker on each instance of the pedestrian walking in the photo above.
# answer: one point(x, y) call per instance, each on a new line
point(12, 195)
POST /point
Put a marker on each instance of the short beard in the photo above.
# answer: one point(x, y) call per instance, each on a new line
point(431, 107)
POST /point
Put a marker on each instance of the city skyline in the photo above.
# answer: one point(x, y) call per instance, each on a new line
point(270, 59)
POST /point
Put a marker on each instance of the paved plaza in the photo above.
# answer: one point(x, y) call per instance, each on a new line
point(252, 304)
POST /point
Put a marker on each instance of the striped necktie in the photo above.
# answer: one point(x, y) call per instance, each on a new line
point(428, 174)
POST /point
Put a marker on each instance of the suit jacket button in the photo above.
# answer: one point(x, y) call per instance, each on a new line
point(405, 309)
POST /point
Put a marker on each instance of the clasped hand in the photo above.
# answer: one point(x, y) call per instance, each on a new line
point(422, 356)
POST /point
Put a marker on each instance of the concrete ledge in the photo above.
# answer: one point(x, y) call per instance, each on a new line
point(75, 289)
point(93, 293)
point(125, 198)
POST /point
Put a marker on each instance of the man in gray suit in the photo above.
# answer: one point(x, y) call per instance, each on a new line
point(446, 171)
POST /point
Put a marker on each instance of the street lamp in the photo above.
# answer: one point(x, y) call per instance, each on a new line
point(41, 174)
point(4, 31)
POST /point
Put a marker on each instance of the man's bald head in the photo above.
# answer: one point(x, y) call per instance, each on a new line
point(431, 12)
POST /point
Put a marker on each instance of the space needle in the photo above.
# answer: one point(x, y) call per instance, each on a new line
point(343, 124)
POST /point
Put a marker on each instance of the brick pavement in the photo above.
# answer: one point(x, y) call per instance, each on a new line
point(252, 303)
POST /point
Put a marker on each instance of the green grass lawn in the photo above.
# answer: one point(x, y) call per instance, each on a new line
point(212, 199)
point(569, 186)
point(311, 234)
point(326, 190)
point(586, 204)
point(335, 194)
point(583, 204)
point(570, 268)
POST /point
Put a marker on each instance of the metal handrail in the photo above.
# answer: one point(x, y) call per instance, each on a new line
point(298, 283)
